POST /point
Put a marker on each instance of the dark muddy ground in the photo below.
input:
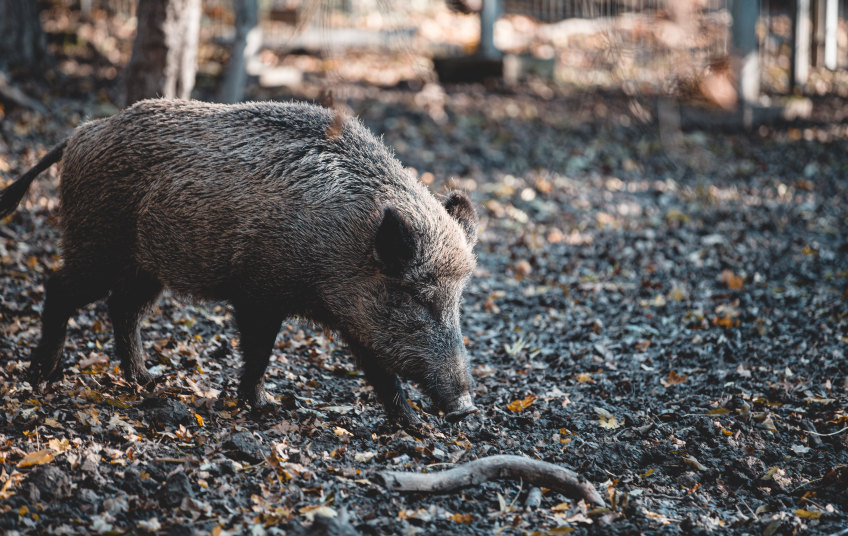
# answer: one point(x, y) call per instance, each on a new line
point(670, 308)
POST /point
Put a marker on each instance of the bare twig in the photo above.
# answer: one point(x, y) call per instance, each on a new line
point(536, 473)
point(813, 432)
point(806, 484)
point(664, 496)
point(810, 428)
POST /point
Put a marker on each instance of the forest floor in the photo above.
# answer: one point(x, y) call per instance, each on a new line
point(663, 312)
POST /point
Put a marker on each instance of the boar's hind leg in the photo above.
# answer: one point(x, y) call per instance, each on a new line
point(65, 292)
point(389, 390)
point(258, 328)
point(129, 302)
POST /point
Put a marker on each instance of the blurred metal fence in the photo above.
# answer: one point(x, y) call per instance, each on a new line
point(638, 41)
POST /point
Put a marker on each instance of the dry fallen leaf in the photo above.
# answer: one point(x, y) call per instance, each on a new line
point(4, 491)
point(771, 472)
point(769, 424)
point(585, 378)
point(183, 433)
point(150, 525)
point(466, 519)
point(36, 458)
point(59, 446)
point(523, 268)
point(559, 531)
point(483, 371)
point(364, 457)
point(677, 295)
point(692, 462)
point(673, 379)
point(309, 512)
point(603, 413)
point(733, 281)
point(725, 321)
point(53, 423)
point(609, 423)
point(772, 527)
point(606, 419)
point(659, 517)
point(520, 405)
point(808, 514)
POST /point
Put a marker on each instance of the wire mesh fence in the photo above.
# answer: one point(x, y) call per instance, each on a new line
point(645, 46)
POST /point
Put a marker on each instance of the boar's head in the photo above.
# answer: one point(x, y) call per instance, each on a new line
point(409, 309)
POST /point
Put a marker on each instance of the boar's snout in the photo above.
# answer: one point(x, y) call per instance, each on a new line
point(455, 389)
point(459, 408)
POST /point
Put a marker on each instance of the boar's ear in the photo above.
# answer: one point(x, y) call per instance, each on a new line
point(459, 206)
point(394, 243)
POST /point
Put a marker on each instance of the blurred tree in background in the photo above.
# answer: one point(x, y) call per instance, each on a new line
point(22, 43)
point(164, 58)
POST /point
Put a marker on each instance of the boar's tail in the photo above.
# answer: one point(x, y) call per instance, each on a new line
point(11, 197)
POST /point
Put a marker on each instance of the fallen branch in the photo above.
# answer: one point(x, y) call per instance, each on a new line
point(536, 473)
point(10, 93)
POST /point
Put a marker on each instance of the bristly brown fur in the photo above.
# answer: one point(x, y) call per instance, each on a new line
point(255, 204)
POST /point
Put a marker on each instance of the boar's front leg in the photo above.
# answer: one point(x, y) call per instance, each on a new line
point(128, 303)
point(389, 390)
point(258, 327)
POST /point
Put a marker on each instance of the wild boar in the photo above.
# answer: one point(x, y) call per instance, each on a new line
point(278, 209)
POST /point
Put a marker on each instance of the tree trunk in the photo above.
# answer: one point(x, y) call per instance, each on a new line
point(247, 44)
point(22, 42)
point(164, 58)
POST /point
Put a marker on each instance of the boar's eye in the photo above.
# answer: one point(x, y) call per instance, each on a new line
point(430, 304)
point(425, 301)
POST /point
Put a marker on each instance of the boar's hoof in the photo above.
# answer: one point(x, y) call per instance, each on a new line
point(141, 378)
point(419, 428)
point(39, 380)
point(266, 410)
point(257, 400)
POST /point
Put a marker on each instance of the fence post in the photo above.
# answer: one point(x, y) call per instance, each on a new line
point(490, 13)
point(818, 21)
point(247, 43)
point(745, 49)
point(800, 44)
point(831, 21)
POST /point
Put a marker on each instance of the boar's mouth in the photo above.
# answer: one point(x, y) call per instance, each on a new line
point(459, 408)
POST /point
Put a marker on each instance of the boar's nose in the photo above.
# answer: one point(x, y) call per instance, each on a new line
point(459, 408)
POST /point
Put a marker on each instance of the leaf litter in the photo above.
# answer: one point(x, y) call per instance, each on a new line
point(674, 333)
